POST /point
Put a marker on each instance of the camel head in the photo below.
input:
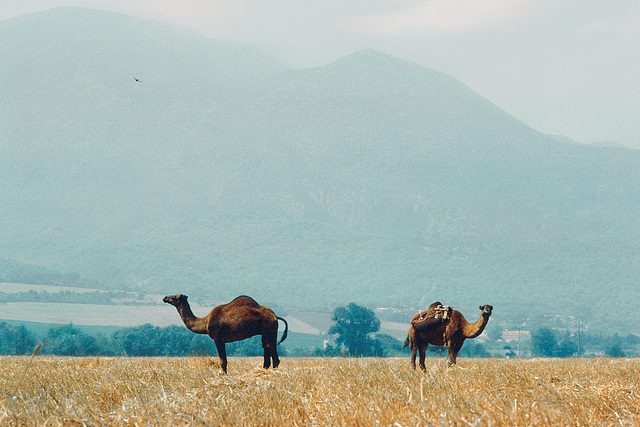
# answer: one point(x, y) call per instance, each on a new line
point(486, 310)
point(444, 312)
point(175, 300)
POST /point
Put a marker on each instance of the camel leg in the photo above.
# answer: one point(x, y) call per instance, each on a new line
point(452, 353)
point(266, 347)
point(414, 351)
point(422, 348)
point(270, 346)
point(276, 359)
point(222, 354)
point(274, 348)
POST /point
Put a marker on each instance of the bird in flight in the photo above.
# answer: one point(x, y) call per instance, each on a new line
point(136, 79)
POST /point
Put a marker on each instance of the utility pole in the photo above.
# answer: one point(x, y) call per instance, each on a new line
point(579, 330)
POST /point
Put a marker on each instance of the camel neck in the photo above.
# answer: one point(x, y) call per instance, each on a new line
point(472, 330)
point(193, 323)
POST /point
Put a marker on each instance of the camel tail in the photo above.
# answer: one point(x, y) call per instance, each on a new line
point(286, 329)
point(406, 343)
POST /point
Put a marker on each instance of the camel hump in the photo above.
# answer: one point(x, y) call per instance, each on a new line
point(245, 300)
point(432, 311)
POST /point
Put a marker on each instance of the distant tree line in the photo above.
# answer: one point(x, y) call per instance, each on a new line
point(145, 340)
point(354, 331)
point(355, 335)
point(547, 343)
point(16, 340)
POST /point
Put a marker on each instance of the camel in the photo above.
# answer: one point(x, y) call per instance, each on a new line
point(435, 311)
point(451, 335)
point(240, 319)
point(436, 315)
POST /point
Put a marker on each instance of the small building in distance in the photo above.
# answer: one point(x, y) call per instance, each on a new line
point(514, 335)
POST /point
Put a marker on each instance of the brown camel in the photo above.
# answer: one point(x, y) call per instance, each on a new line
point(436, 315)
point(240, 319)
point(451, 335)
point(435, 311)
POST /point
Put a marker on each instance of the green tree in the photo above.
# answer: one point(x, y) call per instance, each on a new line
point(566, 348)
point(615, 350)
point(389, 346)
point(173, 340)
point(137, 340)
point(543, 342)
point(148, 340)
point(68, 340)
point(476, 349)
point(249, 347)
point(16, 340)
point(202, 345)
point(353, 326)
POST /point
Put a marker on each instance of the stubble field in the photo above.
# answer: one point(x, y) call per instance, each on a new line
point(54, 391)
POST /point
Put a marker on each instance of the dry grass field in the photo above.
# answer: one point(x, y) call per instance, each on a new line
point(53, 391)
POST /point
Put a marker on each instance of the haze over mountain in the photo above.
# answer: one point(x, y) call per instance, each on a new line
point(370, 180)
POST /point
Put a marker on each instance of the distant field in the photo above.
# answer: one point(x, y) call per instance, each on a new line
point(113, 315)
point(128, 297)
point(24, 287)
point(318, 392)
point(90, 314)
point(124, 315)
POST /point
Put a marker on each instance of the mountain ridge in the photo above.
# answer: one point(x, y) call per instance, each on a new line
point(370, 180)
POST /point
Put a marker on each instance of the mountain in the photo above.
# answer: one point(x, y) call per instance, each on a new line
point(370, 180)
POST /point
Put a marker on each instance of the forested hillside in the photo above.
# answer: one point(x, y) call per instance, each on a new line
point(370, 180)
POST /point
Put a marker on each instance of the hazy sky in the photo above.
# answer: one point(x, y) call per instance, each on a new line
point(569, 67)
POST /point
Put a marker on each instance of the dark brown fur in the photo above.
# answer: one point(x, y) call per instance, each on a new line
point(240, 319)
point(450, 335)
point(424, 314)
